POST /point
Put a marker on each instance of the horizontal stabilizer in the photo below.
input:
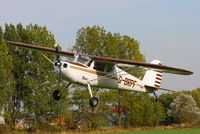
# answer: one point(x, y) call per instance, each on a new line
point(151, 88)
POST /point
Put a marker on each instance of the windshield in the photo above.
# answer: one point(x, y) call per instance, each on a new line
point(83, 59)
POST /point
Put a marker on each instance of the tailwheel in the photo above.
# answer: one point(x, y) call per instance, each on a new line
point(94, 101)
point(57, 95)
point(155, 96)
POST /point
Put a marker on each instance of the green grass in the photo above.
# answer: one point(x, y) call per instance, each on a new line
point(182, 131)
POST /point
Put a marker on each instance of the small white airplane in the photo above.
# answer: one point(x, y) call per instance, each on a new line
point(94, 71)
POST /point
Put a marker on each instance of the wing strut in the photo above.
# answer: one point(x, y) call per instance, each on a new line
point(47, 58)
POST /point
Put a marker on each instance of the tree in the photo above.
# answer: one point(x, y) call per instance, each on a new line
point(166, 99)
point(143, 110)
point(34, 75)
point(7, 83)
point(184, 109)
point(97, 41)
point(2, 81)
point(196, 95)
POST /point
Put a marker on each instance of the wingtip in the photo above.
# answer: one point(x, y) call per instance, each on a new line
point(6, 41)
point(188, 72)
point(191, 73)
point(9, 42)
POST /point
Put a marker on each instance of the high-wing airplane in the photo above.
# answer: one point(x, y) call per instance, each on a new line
point(94, 71)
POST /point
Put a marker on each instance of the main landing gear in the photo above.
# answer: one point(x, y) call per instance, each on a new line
point(93, 100)
point(57, 95)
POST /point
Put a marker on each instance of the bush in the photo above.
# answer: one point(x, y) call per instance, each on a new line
point(184, 109)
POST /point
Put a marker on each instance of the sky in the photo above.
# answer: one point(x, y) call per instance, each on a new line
point(168, 30)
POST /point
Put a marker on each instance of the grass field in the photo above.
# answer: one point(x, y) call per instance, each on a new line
point(182, 131)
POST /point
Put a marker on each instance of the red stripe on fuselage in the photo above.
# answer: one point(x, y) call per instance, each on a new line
point(159, 75)
point(158, 82)
point(158, 78)
point(156, 85)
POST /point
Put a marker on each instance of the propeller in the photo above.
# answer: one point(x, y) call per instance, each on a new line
point(57, 93)
point(57, 54)
point(58, 61)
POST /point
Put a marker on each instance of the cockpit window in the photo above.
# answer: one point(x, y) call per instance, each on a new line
point(99, 66)
point(103, 67)
point(109, 68)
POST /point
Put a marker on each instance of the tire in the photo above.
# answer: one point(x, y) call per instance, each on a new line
point(93, 101)
point(57, 95)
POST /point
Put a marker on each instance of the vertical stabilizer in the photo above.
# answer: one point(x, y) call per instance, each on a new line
point(153, 78)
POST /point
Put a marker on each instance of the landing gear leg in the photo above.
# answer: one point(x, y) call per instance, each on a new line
point(93, 100)
point(68, 85)
point(155, 96)
point(57, 94)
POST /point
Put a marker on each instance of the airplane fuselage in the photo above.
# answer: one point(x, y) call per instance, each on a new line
point(116, 79)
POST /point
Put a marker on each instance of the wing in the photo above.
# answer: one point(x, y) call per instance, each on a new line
point(156, 67)
point(40, 48)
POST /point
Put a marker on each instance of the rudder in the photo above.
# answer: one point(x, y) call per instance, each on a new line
point(153, 78)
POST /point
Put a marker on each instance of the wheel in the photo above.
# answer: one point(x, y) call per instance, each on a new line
point(94, 101)
point(57, 95)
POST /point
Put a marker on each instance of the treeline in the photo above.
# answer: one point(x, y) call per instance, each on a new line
point(27, 81)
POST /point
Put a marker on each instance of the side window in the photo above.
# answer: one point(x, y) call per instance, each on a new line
point(99, 66)
point(109, 68)
point(65, 65)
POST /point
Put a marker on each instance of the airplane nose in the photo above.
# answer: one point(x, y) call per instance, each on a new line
point(57, 66)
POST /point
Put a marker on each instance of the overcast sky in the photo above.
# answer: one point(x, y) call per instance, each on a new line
point(168, 30)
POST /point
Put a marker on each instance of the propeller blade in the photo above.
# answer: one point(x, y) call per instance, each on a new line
point(57, 55)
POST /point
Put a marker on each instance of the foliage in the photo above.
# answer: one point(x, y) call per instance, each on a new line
point(166, 99)
point(184, 109)
point(7, 82)
point(34, 76)
point(2, 81)
point(96, 41)
point(142, 110)
point(196, 95)
point(84, 115)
